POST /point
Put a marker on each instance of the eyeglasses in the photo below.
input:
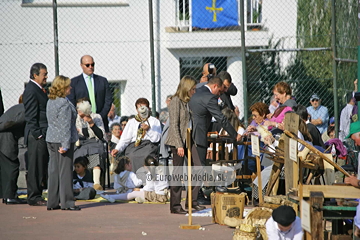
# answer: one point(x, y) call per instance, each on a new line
point(315, 100)
point(89, 64)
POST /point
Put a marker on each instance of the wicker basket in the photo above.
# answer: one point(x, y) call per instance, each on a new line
point(257, 217)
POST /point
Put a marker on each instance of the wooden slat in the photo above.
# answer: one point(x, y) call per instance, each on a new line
point(332, 191)
point(291, 167)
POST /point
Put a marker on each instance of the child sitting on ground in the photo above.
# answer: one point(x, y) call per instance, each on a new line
point(126, 183)
point(82, 180)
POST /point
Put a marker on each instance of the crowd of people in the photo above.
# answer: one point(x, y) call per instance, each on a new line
point(65, 130)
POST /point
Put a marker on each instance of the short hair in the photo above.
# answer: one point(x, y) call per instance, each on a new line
point(164, 115)
point(83, 99)
point(35, 69)
point(124, 118)
point(301, 111)
point(142, 101)
point(261, 108)
point(185, 84)
point(330, 129)
point(225, 76)
point(349, 96)
point(59, 86)
point(283, 87)
point(114, 125)
point(83, 161)
point(20, 99)
point(215, 81)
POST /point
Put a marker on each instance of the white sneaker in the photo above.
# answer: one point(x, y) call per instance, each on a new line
point(108, 197)
point(139, 200)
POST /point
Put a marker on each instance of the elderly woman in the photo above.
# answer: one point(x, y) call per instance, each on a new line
point(282, 93)
point(91, 131)
point(61, 137)
point(179, 122)
point(140, 136)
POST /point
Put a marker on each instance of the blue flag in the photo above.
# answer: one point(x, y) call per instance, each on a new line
point(214, 13)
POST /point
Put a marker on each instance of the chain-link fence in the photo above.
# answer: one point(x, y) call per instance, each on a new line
point(286, 40)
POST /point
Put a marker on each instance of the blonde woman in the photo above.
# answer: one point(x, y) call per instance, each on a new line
point(61, 137)
point(179, 117)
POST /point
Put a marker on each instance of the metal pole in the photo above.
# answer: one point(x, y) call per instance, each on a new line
point(153, 105)
point(243, 57)
point(56, 41)
point(333, 46)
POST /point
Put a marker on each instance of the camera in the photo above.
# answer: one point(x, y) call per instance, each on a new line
point(211, 68)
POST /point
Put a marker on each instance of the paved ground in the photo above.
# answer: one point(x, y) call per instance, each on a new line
point(104, 221)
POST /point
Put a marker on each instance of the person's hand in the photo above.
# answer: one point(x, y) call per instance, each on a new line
point(357, 232)
point(62, 150)
point(251, 128)
point(268, 140)
point(203, 79)
point(180, 152)
point(269, 115)
point(136, 189)
point(89, 120)
point(268, 123)
point(145, 126)
point(352, 180)
point(114, 152)
point(238, 137)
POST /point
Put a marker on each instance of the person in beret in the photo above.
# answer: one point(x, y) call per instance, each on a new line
point(284, 224)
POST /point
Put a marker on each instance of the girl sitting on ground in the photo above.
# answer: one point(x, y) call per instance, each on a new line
point(82, 180)
point(126, 183)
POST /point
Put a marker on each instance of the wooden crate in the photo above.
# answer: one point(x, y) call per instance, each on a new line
point(227, 204)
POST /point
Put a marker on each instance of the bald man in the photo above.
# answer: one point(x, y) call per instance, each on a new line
point(94, 87)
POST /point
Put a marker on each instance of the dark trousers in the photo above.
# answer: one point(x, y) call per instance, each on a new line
point(9, 173)
point(60, 177)
point(201, 151)
point(38, 158)
point(175, 191)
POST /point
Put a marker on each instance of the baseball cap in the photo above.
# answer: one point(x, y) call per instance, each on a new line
point(354, 128)
point(332, 120)
point(314, 96)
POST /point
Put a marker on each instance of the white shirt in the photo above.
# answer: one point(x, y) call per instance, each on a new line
point(158, 185)
point(345, 121)
point(131, 182)
point(116, 119)
point(130, 133)
point(114, 139)
point(274, 233)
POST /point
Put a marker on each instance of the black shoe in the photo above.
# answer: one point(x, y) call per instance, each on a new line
point(179, 211)
point(39, 203)
point(197, 207)
point(4, 200)
point(74, 208)
point(15, 201)
point(53, 208)
point(203, 201)
point(221, 189)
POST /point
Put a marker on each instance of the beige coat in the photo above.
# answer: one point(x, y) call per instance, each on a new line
point(179, 122)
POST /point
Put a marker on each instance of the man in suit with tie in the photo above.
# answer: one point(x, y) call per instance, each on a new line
point(35, 100)
point(204, 106)
point(94, 87)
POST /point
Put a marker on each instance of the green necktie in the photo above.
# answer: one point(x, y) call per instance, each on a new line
point(91, 95)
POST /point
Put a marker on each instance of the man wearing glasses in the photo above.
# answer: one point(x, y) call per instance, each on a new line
point(319, 114)
point(94, 87)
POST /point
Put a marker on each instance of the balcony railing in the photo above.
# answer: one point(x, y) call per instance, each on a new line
point(183, 18)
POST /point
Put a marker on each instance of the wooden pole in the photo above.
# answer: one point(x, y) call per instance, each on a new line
point(314, 150)
point(258, 169)
point(316, 213)
point(189, 145)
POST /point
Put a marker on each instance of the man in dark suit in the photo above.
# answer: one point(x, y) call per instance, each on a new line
point(12, 125)
point(35, 99)
point(230, 89)
point(94, 87)
point(203, 106)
